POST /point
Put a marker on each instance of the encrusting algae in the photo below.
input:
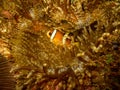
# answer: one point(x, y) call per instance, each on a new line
point(62, 44)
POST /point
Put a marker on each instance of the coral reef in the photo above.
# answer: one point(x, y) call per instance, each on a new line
point(7, 81)
point(90, 62)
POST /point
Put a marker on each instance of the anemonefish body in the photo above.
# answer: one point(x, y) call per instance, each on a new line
point(59, 38)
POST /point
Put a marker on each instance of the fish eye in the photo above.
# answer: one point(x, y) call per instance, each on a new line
point(49, 33)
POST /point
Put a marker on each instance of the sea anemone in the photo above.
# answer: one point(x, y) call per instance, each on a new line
point(92, 61)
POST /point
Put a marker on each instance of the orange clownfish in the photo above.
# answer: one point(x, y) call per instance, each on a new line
point(59, 38)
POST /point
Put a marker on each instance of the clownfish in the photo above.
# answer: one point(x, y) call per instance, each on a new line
point(59, 38)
